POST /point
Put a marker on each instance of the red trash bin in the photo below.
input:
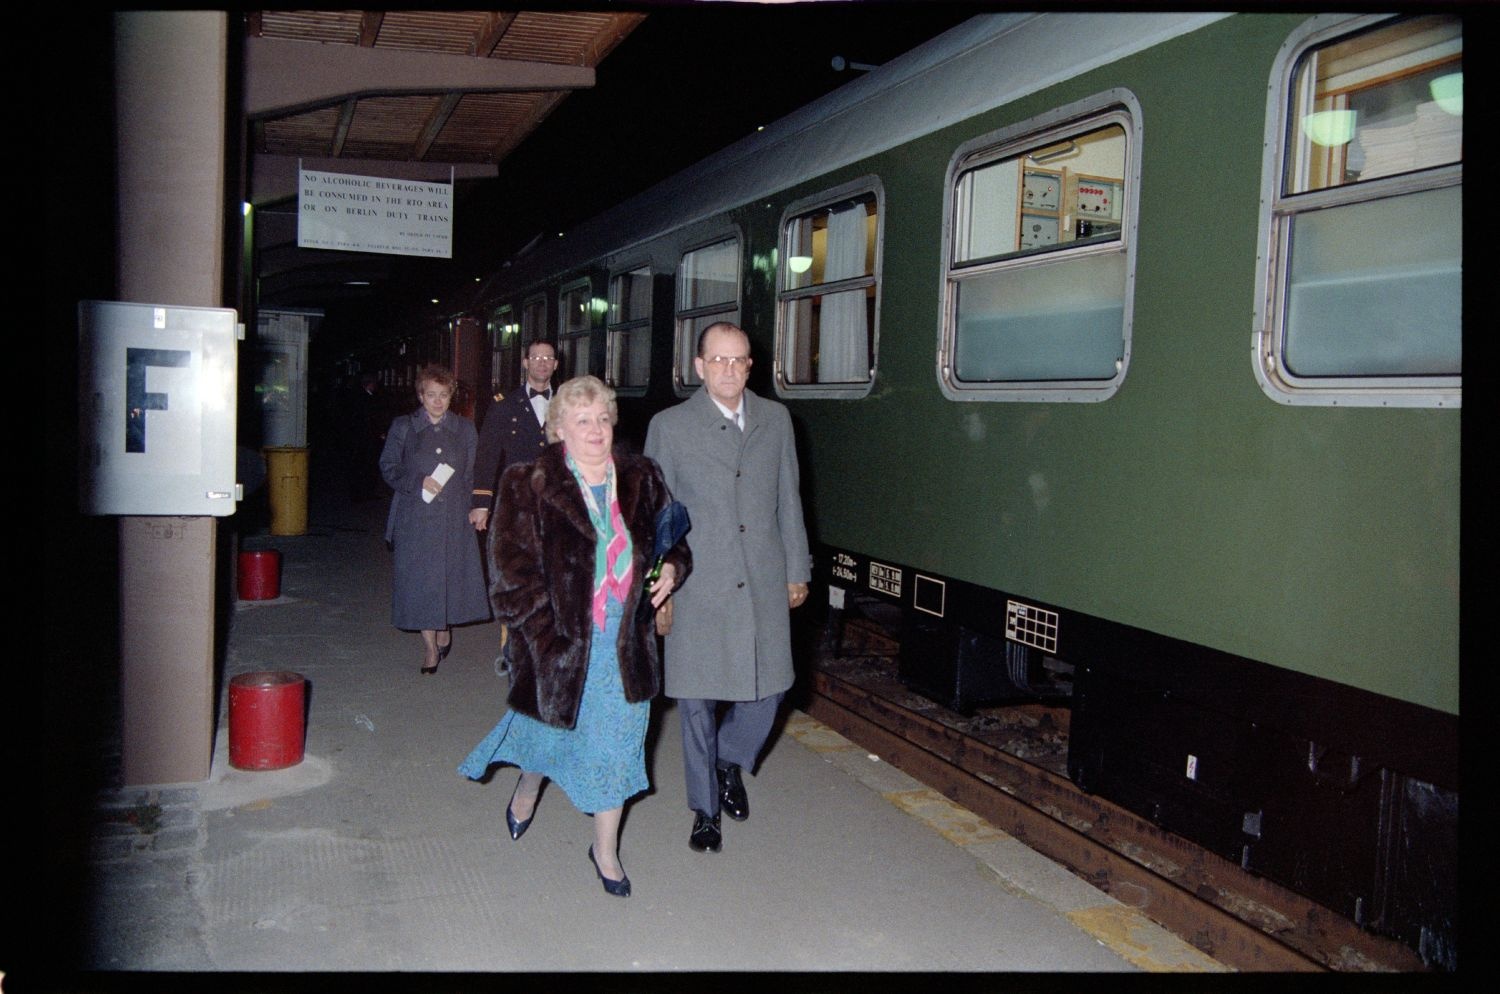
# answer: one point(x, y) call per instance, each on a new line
point(260, 575)
point(267, 724)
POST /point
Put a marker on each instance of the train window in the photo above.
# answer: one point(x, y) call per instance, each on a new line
point(628, 330)
point(708, 290)
point(1041, 258)
point(575, 319)
point(828, 288)
point(1364, 141)
point(505, 349)
point(533, 322)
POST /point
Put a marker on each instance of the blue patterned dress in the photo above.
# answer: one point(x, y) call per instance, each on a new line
point(601, 761)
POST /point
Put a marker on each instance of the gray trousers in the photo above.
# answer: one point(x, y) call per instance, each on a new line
point(734, 741)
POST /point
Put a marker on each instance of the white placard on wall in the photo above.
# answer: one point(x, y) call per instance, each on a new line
point(371, 214)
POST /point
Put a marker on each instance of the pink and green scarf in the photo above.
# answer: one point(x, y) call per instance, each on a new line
point(612, 548)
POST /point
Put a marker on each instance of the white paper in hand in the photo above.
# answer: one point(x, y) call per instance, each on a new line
point(442, 474)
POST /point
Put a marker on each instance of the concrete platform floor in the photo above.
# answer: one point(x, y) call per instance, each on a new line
point(374, 855)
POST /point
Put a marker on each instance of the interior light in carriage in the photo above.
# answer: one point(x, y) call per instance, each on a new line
point(799, 263)
point(1067, 148)
point(1448, 91)
point(1329, 127)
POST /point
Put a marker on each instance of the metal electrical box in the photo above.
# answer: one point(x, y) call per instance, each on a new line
point(156, 398)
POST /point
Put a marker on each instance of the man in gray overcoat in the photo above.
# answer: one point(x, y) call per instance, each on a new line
point(729, 456)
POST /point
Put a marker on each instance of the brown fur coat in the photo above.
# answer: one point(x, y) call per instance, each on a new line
point(542, 568)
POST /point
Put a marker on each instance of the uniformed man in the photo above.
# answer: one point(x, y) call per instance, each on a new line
point(513, 431)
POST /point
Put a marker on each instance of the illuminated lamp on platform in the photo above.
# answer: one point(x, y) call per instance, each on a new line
point(799, 263)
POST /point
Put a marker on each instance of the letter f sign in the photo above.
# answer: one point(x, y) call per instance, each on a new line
point(137, 400)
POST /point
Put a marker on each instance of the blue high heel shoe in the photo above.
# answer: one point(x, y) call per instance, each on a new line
point(517, 828)
point(615, 888)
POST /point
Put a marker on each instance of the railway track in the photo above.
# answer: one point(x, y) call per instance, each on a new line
point(1242, 920)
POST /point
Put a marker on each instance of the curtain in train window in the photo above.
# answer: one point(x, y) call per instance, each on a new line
point(829, 279)
point(1367, 223)
point(1038, 274)
point(629, 329)
point(708, 282)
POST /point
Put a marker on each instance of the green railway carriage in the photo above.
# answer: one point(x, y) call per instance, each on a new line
point(1119, 376)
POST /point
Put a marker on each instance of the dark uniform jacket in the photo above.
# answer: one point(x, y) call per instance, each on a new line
point(542, 564)
point(511, 434)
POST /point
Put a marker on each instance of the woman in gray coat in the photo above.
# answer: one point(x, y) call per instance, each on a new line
point(428, 460)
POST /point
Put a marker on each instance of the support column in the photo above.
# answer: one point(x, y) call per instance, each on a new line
point(170, 92)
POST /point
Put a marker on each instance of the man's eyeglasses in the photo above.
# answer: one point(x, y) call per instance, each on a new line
point(541, 358)
point(731, 362)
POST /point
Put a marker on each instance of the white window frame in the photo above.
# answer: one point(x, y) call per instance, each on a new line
point(1277, 212)
point(1111, 107)
point(857, 188)
point(614, 329)
point(685, 347)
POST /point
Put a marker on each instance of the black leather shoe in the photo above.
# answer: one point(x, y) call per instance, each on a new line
point(706, 836)
point(732, 799)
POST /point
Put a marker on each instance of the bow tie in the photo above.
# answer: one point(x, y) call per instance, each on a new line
point(539, 393)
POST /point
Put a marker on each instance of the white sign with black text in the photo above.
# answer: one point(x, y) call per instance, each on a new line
point(371, 214)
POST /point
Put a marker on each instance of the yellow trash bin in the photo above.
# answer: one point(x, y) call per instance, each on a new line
point(286, 486)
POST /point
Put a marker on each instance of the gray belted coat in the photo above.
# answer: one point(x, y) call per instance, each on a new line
point(439, 577)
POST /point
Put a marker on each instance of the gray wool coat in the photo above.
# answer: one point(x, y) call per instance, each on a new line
point(439, 576)
point(731, 626)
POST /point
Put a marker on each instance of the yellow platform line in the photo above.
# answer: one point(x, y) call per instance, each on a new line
point(1127, 931)
point(953, 822)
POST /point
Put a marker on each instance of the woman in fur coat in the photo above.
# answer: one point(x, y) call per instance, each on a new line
point(569, 553)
